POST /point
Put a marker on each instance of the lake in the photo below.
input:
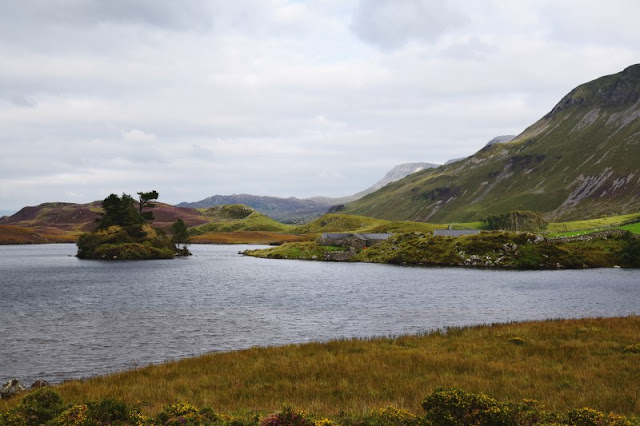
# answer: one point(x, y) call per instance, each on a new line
point(63, 318)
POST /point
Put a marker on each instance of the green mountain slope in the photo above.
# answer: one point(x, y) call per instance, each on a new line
point(580, 161)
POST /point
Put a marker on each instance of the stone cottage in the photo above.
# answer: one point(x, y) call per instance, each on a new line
point(352, 240)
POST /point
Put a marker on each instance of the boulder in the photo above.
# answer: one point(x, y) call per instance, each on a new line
point(11, 388)
point(39, 383)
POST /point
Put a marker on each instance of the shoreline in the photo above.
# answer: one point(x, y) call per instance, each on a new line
point(507, 361)
point(440, 331)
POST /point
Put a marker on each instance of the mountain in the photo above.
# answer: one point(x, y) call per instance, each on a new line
point(581, 160)
point(395, 174)
point(497, 139)
point(296, 210)
point(501, 139)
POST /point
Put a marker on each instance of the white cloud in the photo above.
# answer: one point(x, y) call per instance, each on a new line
point(135, 135)
point(390, 24)
point(277, 97)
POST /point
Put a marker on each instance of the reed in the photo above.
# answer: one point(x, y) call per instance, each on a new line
point(563, 364)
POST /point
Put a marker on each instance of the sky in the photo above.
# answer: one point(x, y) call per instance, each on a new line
point(195, 98)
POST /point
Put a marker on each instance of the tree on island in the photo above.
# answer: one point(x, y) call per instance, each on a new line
point(119, 211)
point(124, 232)
point(180, 236)
point(144, 201)
point(122, 211)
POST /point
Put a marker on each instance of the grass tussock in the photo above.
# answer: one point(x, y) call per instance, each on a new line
point(563, 364)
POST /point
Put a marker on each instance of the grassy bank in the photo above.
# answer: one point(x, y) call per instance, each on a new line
point(487, 249)
point(563, 364)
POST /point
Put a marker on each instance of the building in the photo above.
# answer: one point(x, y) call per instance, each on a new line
point(351, 240)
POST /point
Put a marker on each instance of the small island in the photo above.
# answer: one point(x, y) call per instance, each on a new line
point(124, 232)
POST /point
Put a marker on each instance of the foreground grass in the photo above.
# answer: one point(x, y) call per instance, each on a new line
point(564, 364)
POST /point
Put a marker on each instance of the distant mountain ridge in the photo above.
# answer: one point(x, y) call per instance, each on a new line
point(581, 160)
point(286, 210)
point(296, 210)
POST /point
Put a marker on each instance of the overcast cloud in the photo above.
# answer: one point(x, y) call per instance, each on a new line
point(278, 97)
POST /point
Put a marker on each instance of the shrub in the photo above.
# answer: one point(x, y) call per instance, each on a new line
point(12, 418)
point(456, 407)
point(529, 257)
point(388, 416)
point(629, 255)
point(591, 417)
point(108, 410)
point(40, 406)
point(74, 415)
point(289, 416)
point(186, 414)
point(524, 220)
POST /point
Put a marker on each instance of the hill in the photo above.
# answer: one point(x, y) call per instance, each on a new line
point(232, 218)
point(579, 161)
point(286, 210)
point(64, 222)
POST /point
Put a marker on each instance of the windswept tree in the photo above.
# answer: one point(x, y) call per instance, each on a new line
point(119, 211)
point(180, 234)
point(520, 220)
point(144, 202)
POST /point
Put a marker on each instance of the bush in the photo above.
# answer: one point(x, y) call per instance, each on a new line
point(388, 416)
point(523, 220)
point(131, 251)
point(590, 417)
point(289, 416)
point(186, 414)
point(40, 406)
point(74, 415)
point(135, 242)
point(108, 411)
point(629, 255)
point(456, 407)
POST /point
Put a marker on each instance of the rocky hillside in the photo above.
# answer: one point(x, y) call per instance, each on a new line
point(581, 160)
point(395, 174)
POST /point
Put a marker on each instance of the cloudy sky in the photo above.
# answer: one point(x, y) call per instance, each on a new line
point(278, 97)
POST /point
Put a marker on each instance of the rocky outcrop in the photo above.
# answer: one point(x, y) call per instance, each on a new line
point(11, 388)
point(39, 383)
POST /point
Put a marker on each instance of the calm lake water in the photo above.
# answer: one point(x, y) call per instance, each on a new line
point(63, 318)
